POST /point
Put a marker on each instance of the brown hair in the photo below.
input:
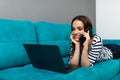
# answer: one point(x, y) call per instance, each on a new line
point(87, 23)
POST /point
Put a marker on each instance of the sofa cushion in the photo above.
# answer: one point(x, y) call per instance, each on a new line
point(104, 70)
point(97, 72)
point(28, 72)
point(13, 33)
point(12, 54)
point(54, 34)
point(117, 77)
point(111, 41)
point(107, 69)
point(17, 30)
point(1, 78)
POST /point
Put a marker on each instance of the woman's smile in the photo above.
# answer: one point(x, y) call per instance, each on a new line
point(76, 37)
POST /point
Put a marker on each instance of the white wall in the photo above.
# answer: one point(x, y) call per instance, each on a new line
point(108, 19)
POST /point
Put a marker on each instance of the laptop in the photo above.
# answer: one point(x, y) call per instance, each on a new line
point(47, 57)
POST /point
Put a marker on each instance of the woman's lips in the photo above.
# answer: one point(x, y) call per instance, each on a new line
point(77, 38)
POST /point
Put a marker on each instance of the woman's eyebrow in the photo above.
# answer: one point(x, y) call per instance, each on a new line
point(79, 26)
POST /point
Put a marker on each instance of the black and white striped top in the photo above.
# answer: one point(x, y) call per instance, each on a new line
point(98, 52)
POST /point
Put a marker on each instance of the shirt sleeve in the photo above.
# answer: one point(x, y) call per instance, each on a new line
point(95, 48)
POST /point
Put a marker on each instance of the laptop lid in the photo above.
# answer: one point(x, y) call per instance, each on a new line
point(45, 57)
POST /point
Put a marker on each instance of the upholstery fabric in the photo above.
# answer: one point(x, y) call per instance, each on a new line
point(11, 30)
point(100, 71)
point(53, 34)
point(12, 54)
point(13, 33)
point(111, 41)
point(97, 72)
point(28, 72)
point(117, 77)
point(14, 62)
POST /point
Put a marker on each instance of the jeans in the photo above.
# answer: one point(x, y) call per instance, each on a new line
point(115, 49)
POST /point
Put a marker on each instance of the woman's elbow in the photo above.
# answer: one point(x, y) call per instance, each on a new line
point(85, 64)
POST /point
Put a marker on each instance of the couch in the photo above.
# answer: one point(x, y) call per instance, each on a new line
point(15, 64)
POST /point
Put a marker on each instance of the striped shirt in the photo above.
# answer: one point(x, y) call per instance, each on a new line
point(97, 51)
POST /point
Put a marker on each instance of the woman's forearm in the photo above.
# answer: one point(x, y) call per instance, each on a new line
point(76, 56)
point(84, 57)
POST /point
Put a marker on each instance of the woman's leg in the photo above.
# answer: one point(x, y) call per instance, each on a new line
point(116, 55)
point(115, 50)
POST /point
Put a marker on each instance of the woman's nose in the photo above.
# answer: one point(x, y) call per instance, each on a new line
point(77, 31)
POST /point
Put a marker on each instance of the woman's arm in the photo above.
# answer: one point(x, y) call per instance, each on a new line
point(89, 57)
point(84, 57)
point(76, 56)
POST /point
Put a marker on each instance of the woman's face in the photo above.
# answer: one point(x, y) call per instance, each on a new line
point(77, 29)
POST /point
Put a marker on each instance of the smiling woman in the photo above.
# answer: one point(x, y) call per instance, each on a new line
point(91, 50)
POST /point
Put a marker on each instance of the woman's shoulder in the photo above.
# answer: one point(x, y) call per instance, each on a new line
point(97, 39)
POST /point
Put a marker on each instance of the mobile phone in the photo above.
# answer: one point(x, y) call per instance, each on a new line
point(82, 38)
point(87, 29)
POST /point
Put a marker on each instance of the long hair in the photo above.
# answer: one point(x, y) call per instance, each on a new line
point(87, 23)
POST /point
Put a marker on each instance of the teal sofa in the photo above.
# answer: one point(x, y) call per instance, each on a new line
point(15, 64)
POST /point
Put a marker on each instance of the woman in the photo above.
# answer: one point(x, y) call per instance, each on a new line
point(87, 48)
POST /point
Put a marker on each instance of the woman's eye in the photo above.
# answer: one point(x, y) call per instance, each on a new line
point(80, 29)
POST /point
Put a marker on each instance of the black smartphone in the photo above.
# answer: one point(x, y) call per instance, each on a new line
point(82, 38)
point(87, 29)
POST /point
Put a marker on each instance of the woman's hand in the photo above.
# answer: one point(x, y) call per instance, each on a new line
point(73, 40)
point(84, 57)
point(87, 36)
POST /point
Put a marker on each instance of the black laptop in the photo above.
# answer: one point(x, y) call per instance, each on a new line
point(47, 57)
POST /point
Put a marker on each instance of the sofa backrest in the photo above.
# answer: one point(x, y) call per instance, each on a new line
point(55, 34)
point(111, 41)
point(13, 33)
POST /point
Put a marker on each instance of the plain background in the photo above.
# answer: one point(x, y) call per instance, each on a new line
point(108, 19)
point(58, 11)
